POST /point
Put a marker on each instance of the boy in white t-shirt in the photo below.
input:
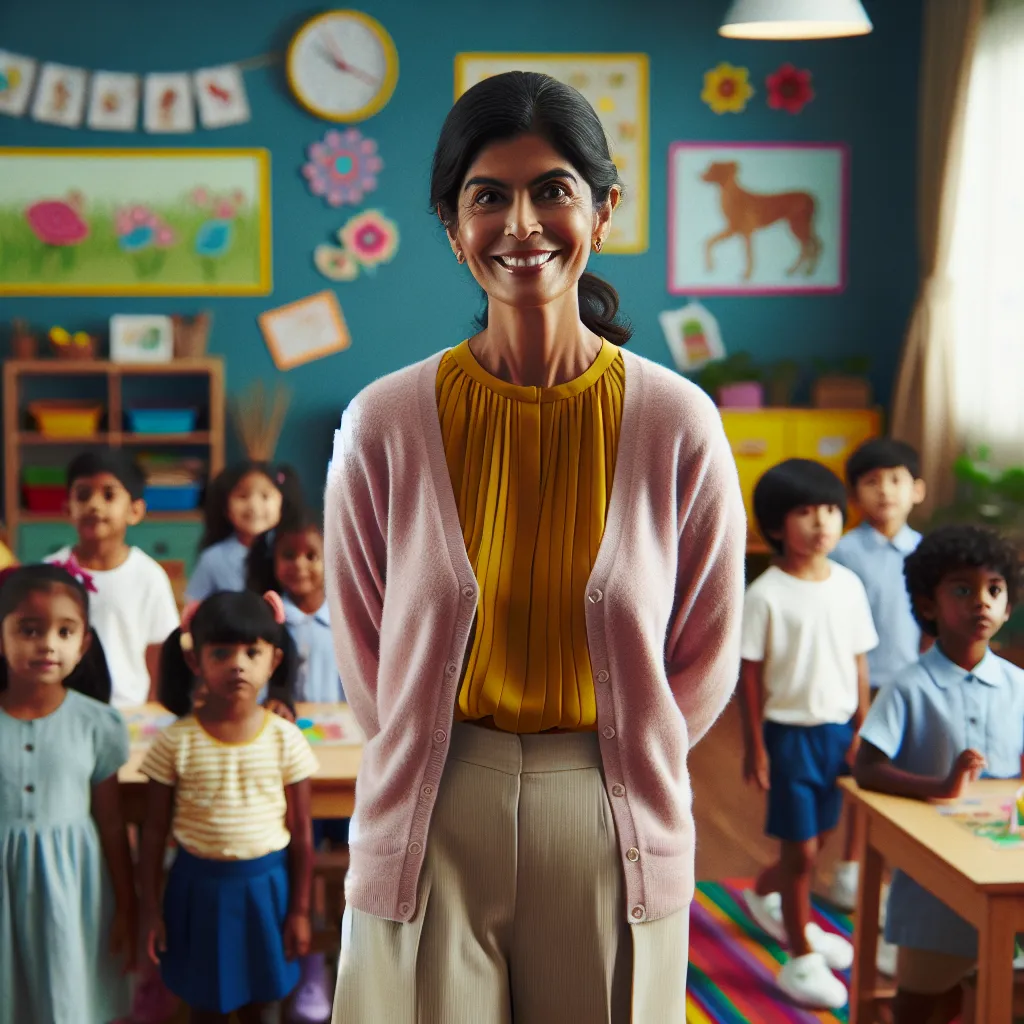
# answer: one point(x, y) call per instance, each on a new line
point(807, 628)
point(133, 608)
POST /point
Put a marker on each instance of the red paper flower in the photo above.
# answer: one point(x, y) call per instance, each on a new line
point(789, 89)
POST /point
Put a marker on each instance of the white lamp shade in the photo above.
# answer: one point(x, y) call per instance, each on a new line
point(795, 19)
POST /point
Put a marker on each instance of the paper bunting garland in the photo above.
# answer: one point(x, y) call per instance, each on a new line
point(343, 167)
point(727, 89)
point(789, 89)
point(367, 240)
point(58, 94)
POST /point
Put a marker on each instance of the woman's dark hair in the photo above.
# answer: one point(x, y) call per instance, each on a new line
point(527, 103)
point(950, 548)
point(227, 617)
point(215, 509)
point(882, 453)
point(91, 675)
point(260, 575)
point(790, 485)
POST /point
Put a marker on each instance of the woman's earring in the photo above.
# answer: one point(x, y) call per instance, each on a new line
point(597, 244)
point(459, 258)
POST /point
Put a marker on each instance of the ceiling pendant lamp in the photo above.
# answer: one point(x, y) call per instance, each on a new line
point(795, 19)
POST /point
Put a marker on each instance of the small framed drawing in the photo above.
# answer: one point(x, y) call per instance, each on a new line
point(141, 339)
point(757, 218)
point(305, 330)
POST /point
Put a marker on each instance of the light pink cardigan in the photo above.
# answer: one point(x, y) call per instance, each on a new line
point(663, 613)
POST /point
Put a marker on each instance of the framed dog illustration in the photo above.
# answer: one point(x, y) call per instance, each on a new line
point(750, 218)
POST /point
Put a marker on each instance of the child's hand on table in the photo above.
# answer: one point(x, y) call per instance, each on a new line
point(755, 768)
point(967, 767)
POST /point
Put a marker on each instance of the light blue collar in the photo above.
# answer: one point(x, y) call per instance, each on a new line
point(294, 616)
point(945, 674)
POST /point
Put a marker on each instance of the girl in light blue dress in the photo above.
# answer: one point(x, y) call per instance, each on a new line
point(67, 899)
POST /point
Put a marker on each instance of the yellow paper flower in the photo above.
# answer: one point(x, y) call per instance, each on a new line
point(727, 89)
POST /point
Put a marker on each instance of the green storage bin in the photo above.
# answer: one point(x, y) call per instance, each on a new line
point(44, 476)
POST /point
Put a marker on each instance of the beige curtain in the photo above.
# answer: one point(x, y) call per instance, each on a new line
point(922, 412)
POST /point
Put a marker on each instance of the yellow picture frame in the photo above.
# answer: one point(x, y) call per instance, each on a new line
point(135, 222)
point(620, 81)
point(305, 330)
point(388, 85)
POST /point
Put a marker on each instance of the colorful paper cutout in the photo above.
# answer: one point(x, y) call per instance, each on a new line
point(331, 726)
point(307, 329)
point(114, 102)
point(727, 89)
point(342, 168)
point(692, 335)
point(60, 95)
point(220, 93)
point(367, 240)
point(168, 107)
point(789, 89)
point(334, 263)
point(17, 75)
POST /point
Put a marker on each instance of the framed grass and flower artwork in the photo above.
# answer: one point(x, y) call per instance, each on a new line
point(134, 222)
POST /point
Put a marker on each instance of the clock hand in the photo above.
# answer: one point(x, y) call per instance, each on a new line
point(364, 75)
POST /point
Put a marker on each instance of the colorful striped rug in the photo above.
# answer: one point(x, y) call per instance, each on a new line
point(733, 963)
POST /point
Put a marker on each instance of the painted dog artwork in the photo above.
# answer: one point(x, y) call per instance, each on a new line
point(748, 212)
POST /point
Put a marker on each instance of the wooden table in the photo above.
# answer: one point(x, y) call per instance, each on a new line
point(983, 884)
point(334, 784)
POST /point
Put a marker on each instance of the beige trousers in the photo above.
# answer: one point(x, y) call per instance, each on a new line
point(521, 914)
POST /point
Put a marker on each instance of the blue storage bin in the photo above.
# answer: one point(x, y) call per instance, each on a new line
point(162, 420)
point(172, 499)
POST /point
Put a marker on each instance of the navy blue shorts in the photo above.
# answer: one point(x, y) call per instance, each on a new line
point(805, 763)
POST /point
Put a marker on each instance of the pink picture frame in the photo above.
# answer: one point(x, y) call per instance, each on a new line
point(796, 194)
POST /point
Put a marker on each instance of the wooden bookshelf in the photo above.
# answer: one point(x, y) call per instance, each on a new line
point(18, 439)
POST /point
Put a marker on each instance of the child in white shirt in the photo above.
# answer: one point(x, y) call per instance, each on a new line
point(807, 629)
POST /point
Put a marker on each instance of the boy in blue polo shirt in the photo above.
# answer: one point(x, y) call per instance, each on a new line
point(884, 478)
point(956, 712)
point(804, 692)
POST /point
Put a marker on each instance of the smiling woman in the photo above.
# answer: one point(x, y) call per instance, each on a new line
point(534, 560)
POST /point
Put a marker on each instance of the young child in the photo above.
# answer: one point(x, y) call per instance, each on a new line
point(67, 897)
point(231, 780)
point(290, 561)
point(956, 712)
point(243, 502)
point(884, 478)
point(806, 631)
point(134, 608)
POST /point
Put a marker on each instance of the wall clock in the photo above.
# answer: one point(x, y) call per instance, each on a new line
point(342, 66)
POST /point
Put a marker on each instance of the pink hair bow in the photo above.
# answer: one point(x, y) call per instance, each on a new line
point(273, 598)
point(74, 570)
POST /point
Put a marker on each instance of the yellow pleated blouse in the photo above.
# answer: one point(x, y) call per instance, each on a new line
point(532, 472)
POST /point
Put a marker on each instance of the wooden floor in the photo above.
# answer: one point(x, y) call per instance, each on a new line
point(730, 814)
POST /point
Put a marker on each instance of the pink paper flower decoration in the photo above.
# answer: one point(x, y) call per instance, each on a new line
point(371, 238)
point(789, 89)
point(335, 264)
point(343, 168)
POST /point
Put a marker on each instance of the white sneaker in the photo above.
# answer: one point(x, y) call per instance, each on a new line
point(767, 913)
point(838, 953)
point(885, 959)
point(843, 890)
point(808, 981)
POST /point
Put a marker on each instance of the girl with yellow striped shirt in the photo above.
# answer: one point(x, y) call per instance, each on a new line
point(231, 781)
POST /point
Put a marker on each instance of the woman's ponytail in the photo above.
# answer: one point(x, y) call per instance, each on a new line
point(599, 308)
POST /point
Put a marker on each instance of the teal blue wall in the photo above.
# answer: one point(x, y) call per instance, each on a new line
point(866, 97)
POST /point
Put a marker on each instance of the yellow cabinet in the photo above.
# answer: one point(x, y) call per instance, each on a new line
point(762, 438)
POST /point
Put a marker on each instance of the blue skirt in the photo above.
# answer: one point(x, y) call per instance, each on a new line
point(225, 923)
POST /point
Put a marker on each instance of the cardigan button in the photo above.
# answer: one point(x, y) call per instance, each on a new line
point(427, 790)
point(608, 732)
point(639, 912)
point(451, 668)
point(440, 736)
point(632, 855)
point(404, 908)
point(415, 848)
point(618, 790)
point(468, 592)
point(595, 596)
point(602, 676)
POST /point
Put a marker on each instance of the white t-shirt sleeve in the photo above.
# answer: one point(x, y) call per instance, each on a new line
point(754, 633)
point(162, 617)
point(863, 634)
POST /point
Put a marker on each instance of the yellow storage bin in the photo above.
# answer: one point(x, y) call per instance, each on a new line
point(66, 418)
point(759, 440)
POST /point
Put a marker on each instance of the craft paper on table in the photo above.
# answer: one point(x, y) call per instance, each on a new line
point(757, 218)
point(144, 725)
point(114, 102)
point(17, 75)
point(692, 335)
point(988, 817)
point(305, 330)
point(60, 95)
point(135, 222)
point(138, 338)
point(330, 725)
point(616, 86)
point(220, 93)
point(168, 105)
